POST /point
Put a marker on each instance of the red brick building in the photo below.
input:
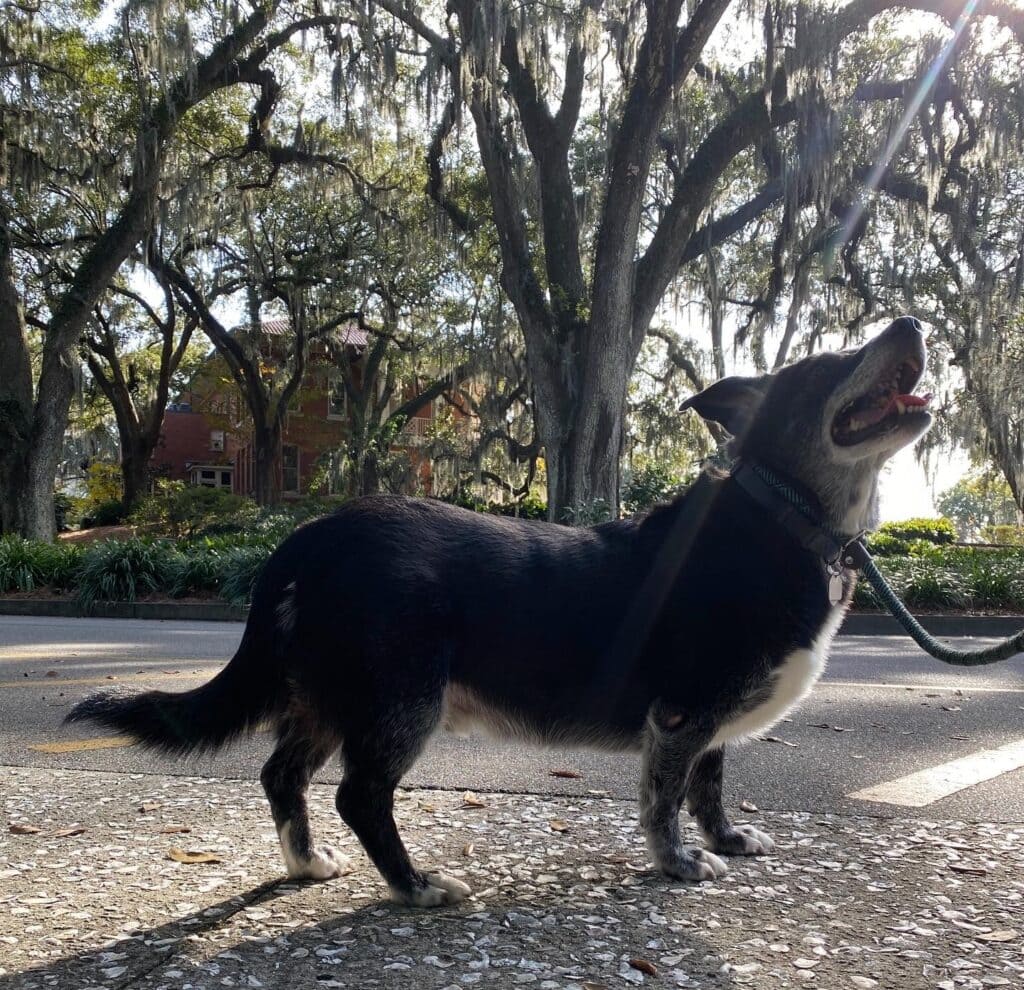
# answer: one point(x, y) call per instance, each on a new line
point(204, 437)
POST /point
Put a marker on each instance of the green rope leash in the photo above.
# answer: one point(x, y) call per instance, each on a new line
point(856, 555)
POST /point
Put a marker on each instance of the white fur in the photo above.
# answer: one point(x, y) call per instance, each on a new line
point(440, 890)
point(791, 682)
point(324, 864)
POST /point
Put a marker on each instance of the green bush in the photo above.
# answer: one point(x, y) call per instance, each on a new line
point(1011, 535)
point(528, 507)
point(201, 571)
point(240, 568)
point(181, 510)
point(649, 486)
point(22, 564)
point(121, 570)
point(108, 513)
point(938, 531)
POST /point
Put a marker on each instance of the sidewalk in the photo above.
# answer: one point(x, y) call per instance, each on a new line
point(563, 897)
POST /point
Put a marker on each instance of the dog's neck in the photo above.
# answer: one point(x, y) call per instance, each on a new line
point(800, 512)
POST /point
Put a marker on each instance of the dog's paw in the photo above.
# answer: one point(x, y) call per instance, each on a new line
point(741, 840)
point(694, 865)
point(326, 863)
point(437, 890)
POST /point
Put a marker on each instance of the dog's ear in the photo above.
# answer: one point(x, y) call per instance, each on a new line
point(730, 401)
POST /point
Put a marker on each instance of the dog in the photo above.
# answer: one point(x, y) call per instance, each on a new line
point(674, 634)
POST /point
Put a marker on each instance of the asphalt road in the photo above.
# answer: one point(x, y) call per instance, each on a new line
point(882, 712)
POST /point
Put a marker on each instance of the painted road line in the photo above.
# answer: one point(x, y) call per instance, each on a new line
point(125, 679)
point(928, 786)
point(960, 687)
point(82, 745)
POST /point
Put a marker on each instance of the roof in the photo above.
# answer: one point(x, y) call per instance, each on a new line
point(350, 333)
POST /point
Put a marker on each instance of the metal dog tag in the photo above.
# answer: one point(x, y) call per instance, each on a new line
point(835, 588)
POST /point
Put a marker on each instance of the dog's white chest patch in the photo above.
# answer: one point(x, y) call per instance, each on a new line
point(791, 681)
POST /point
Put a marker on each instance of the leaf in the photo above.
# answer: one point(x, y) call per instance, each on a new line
point(65, 833)
point(952, 708)
point(175, 829)
point(589, 985)
point(976, 871)
point(566, 774)
point(1000, 935)
point(748, 806)
point(557, 825)
point(183, 856)
point(470, 800)
point(644, 966)
point(806, 963)
point(467, 849)
point(776, 739)
point(24, 830)
point(149, 806)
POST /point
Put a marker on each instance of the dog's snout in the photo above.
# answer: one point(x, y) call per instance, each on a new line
point(906, 324)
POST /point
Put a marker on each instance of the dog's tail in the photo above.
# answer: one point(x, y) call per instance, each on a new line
point(245, 693)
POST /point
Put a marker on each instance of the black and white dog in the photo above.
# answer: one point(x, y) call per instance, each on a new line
point(673, 634)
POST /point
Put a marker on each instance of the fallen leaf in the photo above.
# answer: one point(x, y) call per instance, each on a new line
point(470, 800)
point(175, 829)
point(149, 806)
point(567, 774)
point(776, 739)
point(50, 673)
point(557, 825)
point(806, 963)
point(64, 833)
point(24, 830)
point(189, 856)
point(961, 738)
point(952, 708)
point(428, 808)
point(977, 871)
point(748, 806)
point(1000, 935)
point(588, 985)
point(467, 849)
point(644, 966)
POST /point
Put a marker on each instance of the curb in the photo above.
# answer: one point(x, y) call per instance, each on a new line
point(70, 609)
point(856, 623)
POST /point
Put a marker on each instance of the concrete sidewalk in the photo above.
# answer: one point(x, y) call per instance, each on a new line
point(89, 896)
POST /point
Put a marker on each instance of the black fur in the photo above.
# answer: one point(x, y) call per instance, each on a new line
point(369, 626)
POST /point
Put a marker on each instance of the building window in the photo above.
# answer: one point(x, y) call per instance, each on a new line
point(212, 477)
point(217, 440)
point(337, 400)
point(289, 469)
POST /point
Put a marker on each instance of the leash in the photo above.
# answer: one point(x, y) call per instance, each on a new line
point(839, 551)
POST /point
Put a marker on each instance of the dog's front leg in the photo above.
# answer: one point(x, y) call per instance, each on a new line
point(704, 802)
point(671, 747)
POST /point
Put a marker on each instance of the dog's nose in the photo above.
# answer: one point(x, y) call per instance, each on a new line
point(906, 324)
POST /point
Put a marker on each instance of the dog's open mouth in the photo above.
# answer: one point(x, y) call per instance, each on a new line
point(886, 407)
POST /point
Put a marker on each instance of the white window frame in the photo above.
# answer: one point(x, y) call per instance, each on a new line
point(335, 382)
point(298, 469)
point(218, 471)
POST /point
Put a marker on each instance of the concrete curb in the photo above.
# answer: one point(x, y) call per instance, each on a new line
point(70, 609)
point(856, 624)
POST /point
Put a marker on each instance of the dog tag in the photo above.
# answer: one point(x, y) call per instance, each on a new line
point(835, 588)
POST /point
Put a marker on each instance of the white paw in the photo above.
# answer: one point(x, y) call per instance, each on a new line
point(326, 863)
point(439, 890)
point(742, 840)
point(695, 865)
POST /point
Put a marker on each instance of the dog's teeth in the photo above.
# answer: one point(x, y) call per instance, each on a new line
point(900, 407)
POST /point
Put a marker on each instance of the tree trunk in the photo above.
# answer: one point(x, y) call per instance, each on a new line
point(135, 456)
point(266, 449)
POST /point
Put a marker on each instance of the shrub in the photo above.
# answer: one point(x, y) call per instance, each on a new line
point(649, 486)
point(200, 571)
point(1009, 535)
point(21, 564)
point(239, 570)
point(106, 514)
point(117, 570)
point(181, 510)
point(938, 531)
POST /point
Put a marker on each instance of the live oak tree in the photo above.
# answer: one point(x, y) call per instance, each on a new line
point(617, 155)
point(91, 149)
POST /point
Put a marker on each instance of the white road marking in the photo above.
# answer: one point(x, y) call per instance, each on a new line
point(927, 786)
point(963, 689)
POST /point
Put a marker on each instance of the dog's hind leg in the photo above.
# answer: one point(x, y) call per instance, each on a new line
point(669, 753)
point(302, 748)
point(376, 758)
point(704, 802)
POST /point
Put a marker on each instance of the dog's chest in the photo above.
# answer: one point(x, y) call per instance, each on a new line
point(786, 686)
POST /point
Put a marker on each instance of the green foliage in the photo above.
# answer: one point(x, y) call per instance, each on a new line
point(1013, 535)
point(21, 566)
point(898, 537)
point(952, 577)
point(528, 507)
point(180, 510)
point(240, 568)
point(588, 514)
point(105, 514)
point(978, 502)
point(121, 570)
point(648, 486)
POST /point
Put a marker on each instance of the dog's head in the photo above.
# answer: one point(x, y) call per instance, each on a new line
point(830, 421)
